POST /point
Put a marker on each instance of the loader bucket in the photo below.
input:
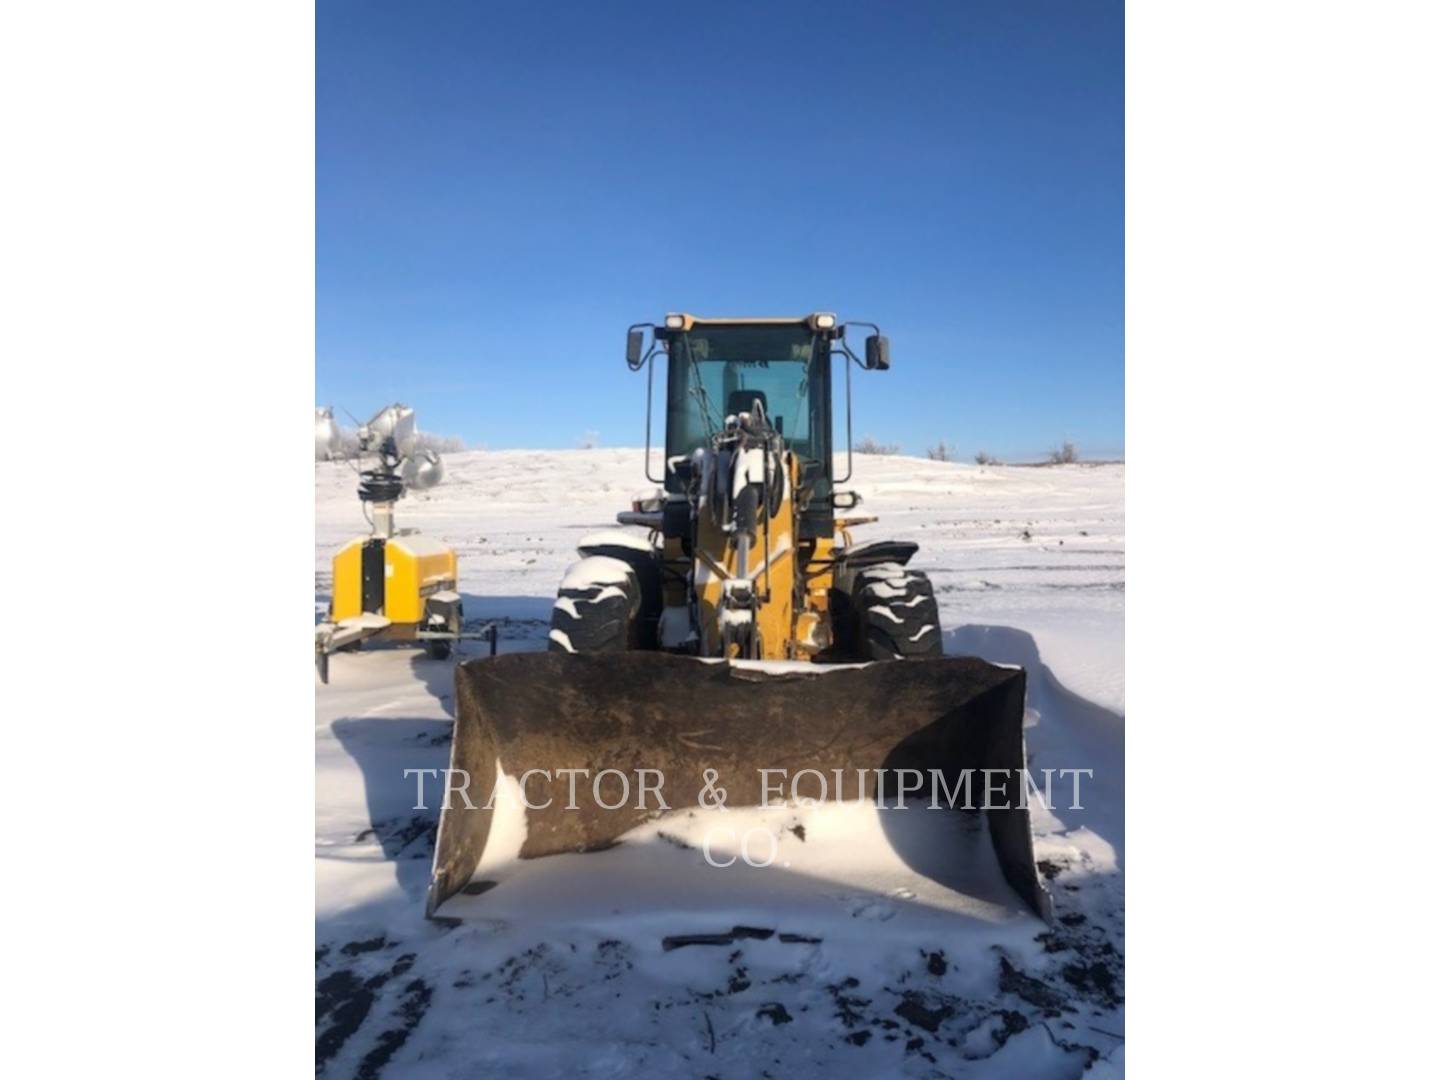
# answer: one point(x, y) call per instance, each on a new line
point(682, 716)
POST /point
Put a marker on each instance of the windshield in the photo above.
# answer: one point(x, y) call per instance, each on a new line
point(719, 370)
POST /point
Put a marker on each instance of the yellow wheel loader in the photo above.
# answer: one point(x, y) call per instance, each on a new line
point(709, 650)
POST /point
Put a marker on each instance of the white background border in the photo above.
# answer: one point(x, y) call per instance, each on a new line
point(1280, 400)
point(156, 269)
point(157, 286)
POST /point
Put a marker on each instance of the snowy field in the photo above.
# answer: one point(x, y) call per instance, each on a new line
point(848, 957)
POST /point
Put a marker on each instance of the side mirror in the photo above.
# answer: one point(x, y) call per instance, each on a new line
point(635, 348)
point(877, 353)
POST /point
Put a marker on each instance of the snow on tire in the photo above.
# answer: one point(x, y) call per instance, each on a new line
point(597, 608)
point(896, 617)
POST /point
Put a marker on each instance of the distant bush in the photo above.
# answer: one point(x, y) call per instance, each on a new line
point(588, 441)
point(1065, 455)
point(441, 444)
point(942, 451)
point(868, 445)
point(983, 458)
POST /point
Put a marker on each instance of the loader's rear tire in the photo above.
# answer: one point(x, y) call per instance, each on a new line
point(894, 614)
point(598, 608)
point(438, 650)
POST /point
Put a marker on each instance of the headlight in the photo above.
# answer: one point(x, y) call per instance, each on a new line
point(825, 322)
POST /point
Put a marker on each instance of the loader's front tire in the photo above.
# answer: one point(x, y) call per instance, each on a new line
point(438, 650)
point(894, 614)
point(598, 608)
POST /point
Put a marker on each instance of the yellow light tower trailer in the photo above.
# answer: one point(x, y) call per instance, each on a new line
point(394, 584)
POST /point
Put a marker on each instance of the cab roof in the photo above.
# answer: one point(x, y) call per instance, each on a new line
point(816, 320)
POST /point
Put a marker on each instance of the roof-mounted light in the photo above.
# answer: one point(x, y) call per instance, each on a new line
point(825, 321)
point(674, 322)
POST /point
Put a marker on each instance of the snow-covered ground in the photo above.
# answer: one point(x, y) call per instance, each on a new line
point(871, 966)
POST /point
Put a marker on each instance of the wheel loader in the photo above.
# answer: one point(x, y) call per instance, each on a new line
point(737, 626)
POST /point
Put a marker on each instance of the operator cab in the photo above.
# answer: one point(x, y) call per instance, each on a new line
point(720, 367)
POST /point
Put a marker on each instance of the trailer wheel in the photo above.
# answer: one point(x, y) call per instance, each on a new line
point(439, 648)
point(598, 609)
point(894, 614)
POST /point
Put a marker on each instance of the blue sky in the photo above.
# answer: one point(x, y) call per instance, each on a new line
point(503, 187)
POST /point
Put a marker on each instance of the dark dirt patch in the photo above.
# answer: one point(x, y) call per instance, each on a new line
point(776, 1013)
point(333, 991)
point(513, 972)
point(356, 948)
point(346, 1002)
point(1011, 1023)
point(614, 957)
point(1032, 990)
point(413, 1003)
point(757, 933)
point(1098, 970)
point(679, 941)
point(1094, 980)
point(849, 1008)
point(858, 1038)
point(396, 835)
point(916, 1046)
point(913, 1010)
point(799, 831)
point(935, 963)
point(407, 832)
point(739, 981)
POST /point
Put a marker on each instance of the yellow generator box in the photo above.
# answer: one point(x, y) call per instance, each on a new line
point(347, 587)
point(389, 577)
point(415, 567)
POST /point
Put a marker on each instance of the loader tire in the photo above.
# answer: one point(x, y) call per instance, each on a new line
point(647, 574)
point(598, 608)
point(894, 614)
point(438, 650)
